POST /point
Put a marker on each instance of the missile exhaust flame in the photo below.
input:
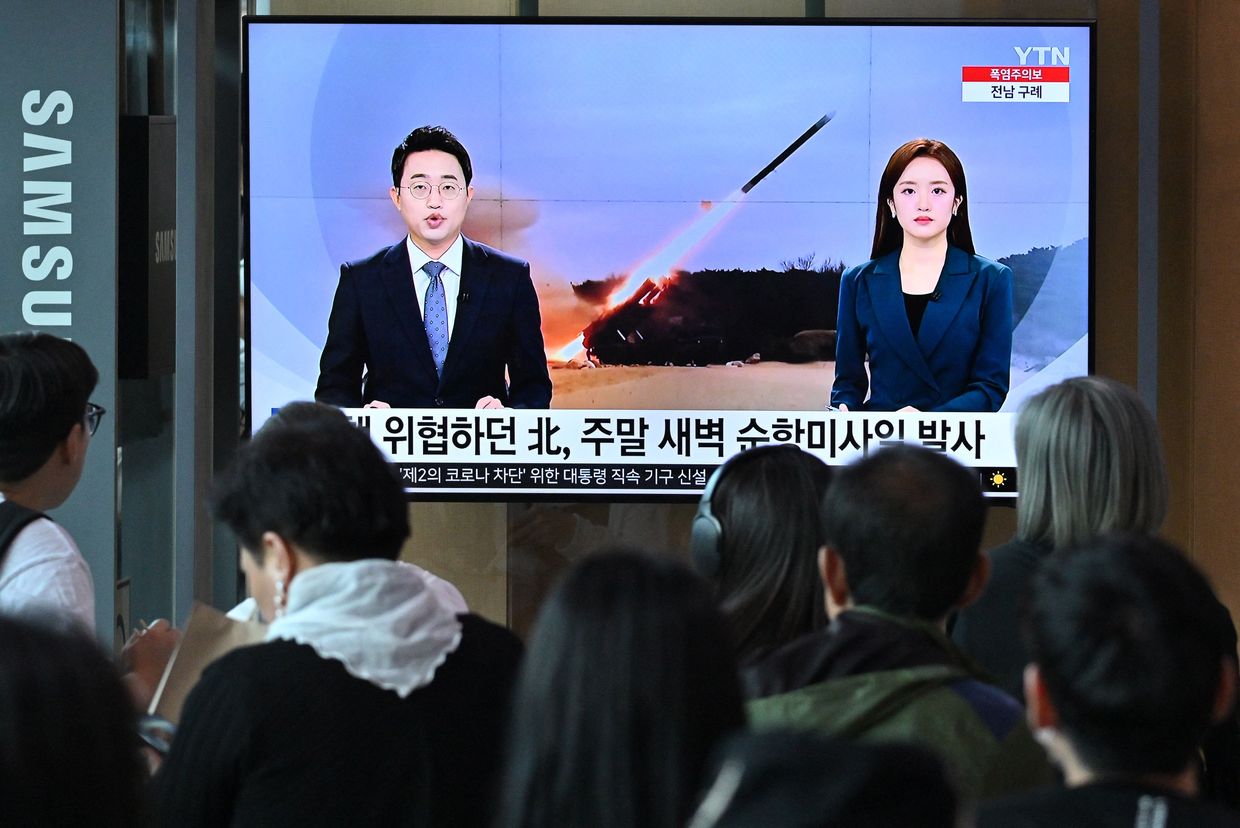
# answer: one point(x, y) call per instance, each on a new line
point(572, 349)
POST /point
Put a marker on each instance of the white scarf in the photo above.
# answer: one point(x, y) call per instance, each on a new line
point(379, 618)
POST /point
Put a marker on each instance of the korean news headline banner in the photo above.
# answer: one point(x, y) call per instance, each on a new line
point(654, 453)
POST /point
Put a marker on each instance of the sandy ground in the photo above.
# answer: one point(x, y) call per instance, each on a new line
point(772, 386)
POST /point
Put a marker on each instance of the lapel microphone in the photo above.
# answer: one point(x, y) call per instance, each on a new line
point(463, 296)
point(936, 296)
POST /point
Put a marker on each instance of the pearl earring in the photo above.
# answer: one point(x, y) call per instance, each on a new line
point(281, 598)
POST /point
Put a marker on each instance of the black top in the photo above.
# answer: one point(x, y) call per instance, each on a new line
point(989, 632)
point(989, 629)
point(13, 519)
point(275, 735)
point(915, 306)
point(1104, 805)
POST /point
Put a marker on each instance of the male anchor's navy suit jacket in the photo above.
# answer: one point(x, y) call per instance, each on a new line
point(961, 358)
point(377, 347)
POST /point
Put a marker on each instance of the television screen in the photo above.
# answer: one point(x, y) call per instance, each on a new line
point(697, 204)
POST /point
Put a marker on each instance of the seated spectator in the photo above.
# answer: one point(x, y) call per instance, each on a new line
point(371, 702)
point(1220, 751)
point(763, 570)
point(902, 529)
point(1090, 462)
point(69, 747)
point(628, 684)
point(1126, 679)
point(798, 780)
point(46, 423)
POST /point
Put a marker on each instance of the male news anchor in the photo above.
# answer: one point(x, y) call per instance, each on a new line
point(435, 319)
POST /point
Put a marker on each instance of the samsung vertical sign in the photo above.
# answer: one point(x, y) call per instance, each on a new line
point(47, 205)
point(58, 222)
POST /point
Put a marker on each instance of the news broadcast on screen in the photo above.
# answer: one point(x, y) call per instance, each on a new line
point(676, 241)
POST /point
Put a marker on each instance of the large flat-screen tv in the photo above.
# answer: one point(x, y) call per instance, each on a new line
point(688, 196)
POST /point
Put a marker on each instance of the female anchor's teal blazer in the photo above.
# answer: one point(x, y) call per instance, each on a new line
point(961, 358)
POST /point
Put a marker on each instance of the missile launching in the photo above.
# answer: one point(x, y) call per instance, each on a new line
point(783, 156)
point(664, 260)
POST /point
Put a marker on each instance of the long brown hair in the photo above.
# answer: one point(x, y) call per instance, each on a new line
point(888, 235)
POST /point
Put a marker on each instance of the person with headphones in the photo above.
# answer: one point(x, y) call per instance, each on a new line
point(756, 537)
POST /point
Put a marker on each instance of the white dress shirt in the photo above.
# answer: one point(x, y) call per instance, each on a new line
point(44, 571)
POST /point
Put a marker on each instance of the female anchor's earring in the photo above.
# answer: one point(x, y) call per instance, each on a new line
point(893, 212)
point(280, 599)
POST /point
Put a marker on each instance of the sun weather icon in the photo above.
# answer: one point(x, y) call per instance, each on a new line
point(998, 479)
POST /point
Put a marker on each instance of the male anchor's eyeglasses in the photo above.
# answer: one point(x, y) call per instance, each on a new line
point(94, 413)
point(421, 190)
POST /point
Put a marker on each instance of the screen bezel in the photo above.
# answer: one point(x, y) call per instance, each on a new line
point(248, 21)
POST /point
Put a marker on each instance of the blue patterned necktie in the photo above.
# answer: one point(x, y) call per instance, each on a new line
point(435, 315)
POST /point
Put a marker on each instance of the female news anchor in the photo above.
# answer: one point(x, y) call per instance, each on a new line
point(933, 318)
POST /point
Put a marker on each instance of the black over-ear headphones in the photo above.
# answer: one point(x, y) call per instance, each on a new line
point(706, 535)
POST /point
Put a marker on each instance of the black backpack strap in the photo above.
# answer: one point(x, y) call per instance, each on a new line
point(13, 518)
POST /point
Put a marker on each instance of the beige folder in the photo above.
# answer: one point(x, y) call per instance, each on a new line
point(208, 635)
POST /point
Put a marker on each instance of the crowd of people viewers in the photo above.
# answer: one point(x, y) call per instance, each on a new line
point(841, 652)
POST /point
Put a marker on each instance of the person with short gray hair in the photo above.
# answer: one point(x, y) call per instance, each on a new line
point(1090, 462)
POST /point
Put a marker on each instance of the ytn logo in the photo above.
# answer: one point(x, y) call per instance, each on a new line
point(1059, 57)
